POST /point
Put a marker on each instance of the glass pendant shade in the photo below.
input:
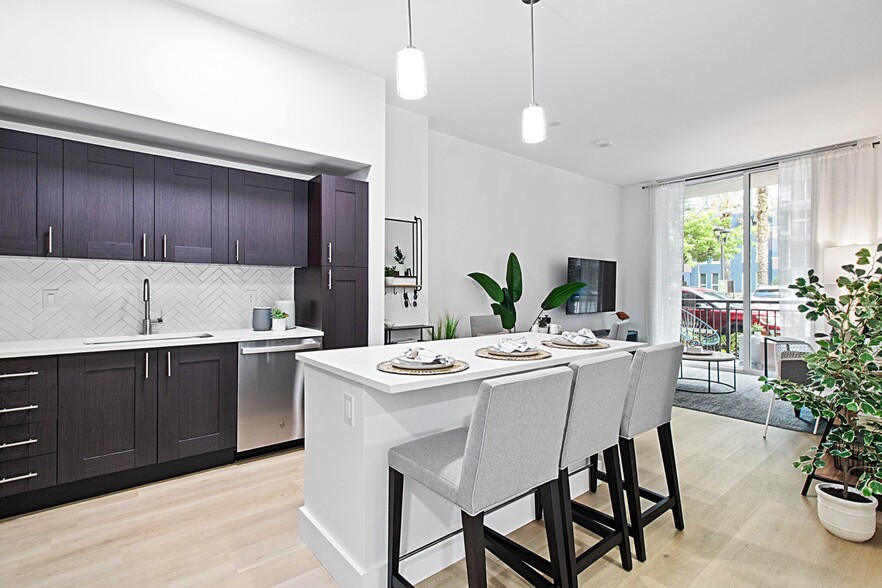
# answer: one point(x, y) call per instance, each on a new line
point(533, 124)
point(410, 73)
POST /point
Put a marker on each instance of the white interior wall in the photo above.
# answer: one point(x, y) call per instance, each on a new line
point(484, 203)
point(407, 195)
point(159, 61)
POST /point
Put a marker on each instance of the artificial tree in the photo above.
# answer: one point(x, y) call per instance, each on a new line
point(845, 374)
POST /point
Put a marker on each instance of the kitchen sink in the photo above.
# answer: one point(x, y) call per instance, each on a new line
point(139, 338)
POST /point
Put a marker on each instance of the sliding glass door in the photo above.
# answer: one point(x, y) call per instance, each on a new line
point(731, 292)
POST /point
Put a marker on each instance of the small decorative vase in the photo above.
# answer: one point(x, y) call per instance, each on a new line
point(279, 324)
point(261, 320)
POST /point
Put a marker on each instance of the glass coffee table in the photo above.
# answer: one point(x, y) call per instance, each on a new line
point(714, 386)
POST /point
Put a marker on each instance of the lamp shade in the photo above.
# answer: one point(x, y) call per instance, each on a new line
point(533, 124)
point(410, 73)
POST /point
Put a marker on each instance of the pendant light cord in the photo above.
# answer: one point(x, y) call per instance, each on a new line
point(532, 56)
point(409, 27)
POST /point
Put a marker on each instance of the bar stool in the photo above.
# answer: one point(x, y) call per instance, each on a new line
point(599, 391)
point(648, 405)
point(511, 447)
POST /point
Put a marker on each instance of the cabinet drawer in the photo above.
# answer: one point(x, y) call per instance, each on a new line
point(28, 440)
point(28, 373)
point(24, 475)
point(28, 406)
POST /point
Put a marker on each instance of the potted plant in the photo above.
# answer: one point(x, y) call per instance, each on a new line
point(504, 299)
point(279, 316)
point(757, 333)
point(399, 258)
point(446, 327)
point(390, 271)
point(845, 388)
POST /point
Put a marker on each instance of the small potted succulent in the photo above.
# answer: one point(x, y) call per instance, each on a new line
point(845, 387)
point(279, 322)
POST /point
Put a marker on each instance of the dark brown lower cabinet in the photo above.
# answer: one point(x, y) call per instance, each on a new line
point(197, 400)
point(106, 413)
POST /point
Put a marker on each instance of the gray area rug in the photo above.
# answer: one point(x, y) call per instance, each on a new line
point(749, 403)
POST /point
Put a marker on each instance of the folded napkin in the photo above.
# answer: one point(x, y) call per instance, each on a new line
point(580, 337)
point(515, 344)
point(421, 355)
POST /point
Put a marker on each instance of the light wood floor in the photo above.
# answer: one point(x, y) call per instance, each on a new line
point(746, 525)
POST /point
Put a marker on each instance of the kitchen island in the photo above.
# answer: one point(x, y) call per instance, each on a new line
point(355, 413)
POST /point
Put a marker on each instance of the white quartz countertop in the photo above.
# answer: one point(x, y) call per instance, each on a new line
point(10, 349)
point(360, 364)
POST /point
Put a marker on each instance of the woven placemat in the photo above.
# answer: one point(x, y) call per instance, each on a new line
point(599, 345)
point(456, 366)
point(485, 353)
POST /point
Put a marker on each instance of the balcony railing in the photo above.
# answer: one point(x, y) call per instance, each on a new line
point(718, 324)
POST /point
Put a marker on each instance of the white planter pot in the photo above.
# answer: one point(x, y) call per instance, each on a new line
point(853, 521)
point(279, 324)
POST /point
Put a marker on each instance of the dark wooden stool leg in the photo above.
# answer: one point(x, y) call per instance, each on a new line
point(537, 505)
point(617, 500)
point(666, 441)
point(566, 521)
point(632, 488)
point(592, 473)
point(396, 491)
point(555, 533)
point(476, 557)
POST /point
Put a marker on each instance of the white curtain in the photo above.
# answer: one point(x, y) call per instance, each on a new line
point(666, 267)
point(825, 200)
point(845, 201)
point(795, 240)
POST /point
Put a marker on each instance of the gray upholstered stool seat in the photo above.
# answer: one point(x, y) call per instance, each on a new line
point(434, 461)
point(490, 324)
point(511, 447)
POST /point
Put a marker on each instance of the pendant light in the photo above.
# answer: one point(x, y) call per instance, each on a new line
point(410, 67)
point(533, 117)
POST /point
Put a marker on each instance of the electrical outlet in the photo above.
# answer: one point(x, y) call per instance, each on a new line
point(251, 297)
point(50, 298)
point(348, 409)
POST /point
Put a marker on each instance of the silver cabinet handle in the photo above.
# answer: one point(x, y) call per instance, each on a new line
point(164, 247)
point(18, 443)
point(169, 364)
point(18, 478)
point(147, 366)
point(19, 408)
point(21, 375)
point(237, 250)
point(143, 245)
point(330, 253)
point(50, 239)
point(329, 279)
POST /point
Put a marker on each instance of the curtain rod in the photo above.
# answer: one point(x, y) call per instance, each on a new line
point(753, 165)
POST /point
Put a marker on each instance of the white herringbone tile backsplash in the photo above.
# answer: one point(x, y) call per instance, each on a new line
point(101, 298)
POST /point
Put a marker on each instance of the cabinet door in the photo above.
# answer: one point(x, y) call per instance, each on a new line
point(106, 413)
point(191, 212)
point(268, 219)
point(338, 210)
point(30, 194)
point(197, 400)
point(345, 313)
point(108, 203)
point(347, 202)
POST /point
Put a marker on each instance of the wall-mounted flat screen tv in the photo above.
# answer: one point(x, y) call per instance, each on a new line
point(599, 295)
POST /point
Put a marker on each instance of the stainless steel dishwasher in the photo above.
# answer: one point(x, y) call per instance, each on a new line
point(271, 392)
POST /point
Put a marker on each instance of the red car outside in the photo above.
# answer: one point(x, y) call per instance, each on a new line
point(724, 314)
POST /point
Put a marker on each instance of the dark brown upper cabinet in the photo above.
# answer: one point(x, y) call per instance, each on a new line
point(106, 413)
point(191, 212)
point(30, 194)
point(340, 207)
point(108, 203)
point(197, 400)
point(268, 219)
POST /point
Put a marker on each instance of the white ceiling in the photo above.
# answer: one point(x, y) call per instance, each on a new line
point(680, 86)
